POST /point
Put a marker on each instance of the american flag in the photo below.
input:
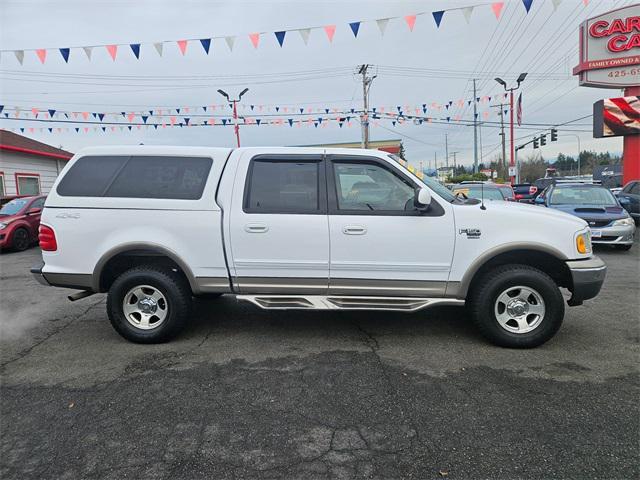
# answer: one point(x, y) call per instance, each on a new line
point(519, 109)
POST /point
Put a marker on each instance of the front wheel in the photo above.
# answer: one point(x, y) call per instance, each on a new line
point(148, 304)
point(517, 306)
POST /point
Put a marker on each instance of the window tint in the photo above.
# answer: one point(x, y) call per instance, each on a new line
point(364, 186)
point(180, 178)
point(635, 188)
point(90, 176)
point(137, 177)
point(283, 186)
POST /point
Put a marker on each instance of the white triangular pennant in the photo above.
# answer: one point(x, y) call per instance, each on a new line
point(229, 41)
point(158, 46)
point(382, 25)
point(19, 55)
point(87, 51)
point(467, 11)
point(304, 33)
point(556, 3)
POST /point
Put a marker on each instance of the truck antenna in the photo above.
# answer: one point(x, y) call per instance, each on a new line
point(482, 207)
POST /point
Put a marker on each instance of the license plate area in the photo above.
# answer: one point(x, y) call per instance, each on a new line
point(596, 233)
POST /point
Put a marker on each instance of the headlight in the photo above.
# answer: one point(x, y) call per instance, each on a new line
point(583, 242)
point(3, 225)
point(623, 222)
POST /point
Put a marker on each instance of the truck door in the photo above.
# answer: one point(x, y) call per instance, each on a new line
point(380, 244)
point(279, 232)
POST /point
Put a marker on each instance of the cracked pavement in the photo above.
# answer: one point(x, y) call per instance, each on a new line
point(245, 393)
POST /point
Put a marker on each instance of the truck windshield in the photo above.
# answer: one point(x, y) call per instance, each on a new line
point(582, 196)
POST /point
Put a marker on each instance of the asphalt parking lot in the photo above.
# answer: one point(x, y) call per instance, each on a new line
point(246, 393)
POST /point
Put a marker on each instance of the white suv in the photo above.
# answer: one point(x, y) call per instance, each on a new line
point(303, 228)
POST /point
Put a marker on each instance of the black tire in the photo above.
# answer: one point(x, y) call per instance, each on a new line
point(170, 284)
point(624, 248)
point(21, 240)
point(484, 295)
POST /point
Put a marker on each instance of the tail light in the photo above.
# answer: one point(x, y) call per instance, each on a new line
point(47, 239)
point(532, 190)
point(519, 196)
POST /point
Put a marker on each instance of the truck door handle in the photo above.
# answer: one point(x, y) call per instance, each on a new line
point(256, 228)
point(354, 230)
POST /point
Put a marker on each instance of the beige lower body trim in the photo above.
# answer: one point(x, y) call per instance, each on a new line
point(339, 286)
point(212, 285)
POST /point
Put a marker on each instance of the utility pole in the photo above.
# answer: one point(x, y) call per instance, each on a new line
point(366, 86)
point(455, 164)
point(475, 129)
point(446, 149)
point(504, 146)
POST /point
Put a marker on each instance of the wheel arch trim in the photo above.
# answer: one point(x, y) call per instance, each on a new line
point(461, 289)
point(148, 246)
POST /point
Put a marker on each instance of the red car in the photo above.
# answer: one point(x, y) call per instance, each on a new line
point(19, 222)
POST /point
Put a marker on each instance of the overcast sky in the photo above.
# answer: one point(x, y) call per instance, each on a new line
point(543, 43)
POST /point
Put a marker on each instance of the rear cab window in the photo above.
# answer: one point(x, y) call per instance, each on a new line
point(287, 184)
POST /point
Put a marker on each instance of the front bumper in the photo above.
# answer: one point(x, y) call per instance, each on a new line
point(36, 271)
point(614, 235)
point(587, 277)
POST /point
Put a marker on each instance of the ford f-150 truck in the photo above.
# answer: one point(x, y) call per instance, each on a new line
point(303, 228)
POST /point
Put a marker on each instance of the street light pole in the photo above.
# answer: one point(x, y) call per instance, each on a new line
point(236, 126)
point(520, 79)
point(579, 149)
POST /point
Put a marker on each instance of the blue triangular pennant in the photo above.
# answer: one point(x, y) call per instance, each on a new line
point(128, 126)
point(186, 120)
point(355, 26)
point(155, 126)
point(204, 109)
point(104, 129)
point(258, 121)
point(206, 122)
point(1, 108)
point(353, 110)
point(277, 109)
point(52, 113)
point(206, 43)
point(101, 116)
point(280, 36)
point(50, 130)
point(177, 110)
point(301, 110)
point(22, 129)
point(65, 54)
point(135, 48)
point(77, 130)
point(151, 112)
point(527, 4)
point(326, 110)
point(95, 115)
point(319, 119)
point(224, 121)
point(437, 16)
point(448, 119)
point(144, 118)
point(315, 124)
point(393, 122)
point(290, 120)
point(252, 107)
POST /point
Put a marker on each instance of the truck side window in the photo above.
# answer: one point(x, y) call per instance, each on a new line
point(90, 176)
point(284, 186)
point(369, 187)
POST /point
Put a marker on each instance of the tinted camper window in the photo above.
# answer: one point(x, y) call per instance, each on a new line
point(90, 176)
point(181, 178)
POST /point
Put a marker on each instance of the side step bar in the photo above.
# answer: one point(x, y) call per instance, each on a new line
point(322, 302)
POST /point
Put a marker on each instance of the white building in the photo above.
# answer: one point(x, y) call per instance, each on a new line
point(28, 167)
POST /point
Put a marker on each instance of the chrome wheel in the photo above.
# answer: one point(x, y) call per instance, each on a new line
point(519, 309)
point(145, 307)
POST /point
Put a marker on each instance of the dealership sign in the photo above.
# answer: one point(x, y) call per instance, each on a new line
point(610, 49)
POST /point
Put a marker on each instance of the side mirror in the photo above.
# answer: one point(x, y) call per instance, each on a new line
point(539, 200)
point(422, 199)
point(33, 211)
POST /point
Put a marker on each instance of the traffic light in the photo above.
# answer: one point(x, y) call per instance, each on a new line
point(543, 140)
point(535, 142)
point(554, 134)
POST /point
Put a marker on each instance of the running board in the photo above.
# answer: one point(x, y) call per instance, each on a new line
point(322, 302)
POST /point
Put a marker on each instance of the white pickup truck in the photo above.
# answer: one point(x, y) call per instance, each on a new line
point(303, 228)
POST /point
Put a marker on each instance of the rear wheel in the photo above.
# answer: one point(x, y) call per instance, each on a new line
point(517, 306)
point(21, 239)
point(148, 304)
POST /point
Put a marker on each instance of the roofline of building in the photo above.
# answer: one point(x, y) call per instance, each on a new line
point(35, 152)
